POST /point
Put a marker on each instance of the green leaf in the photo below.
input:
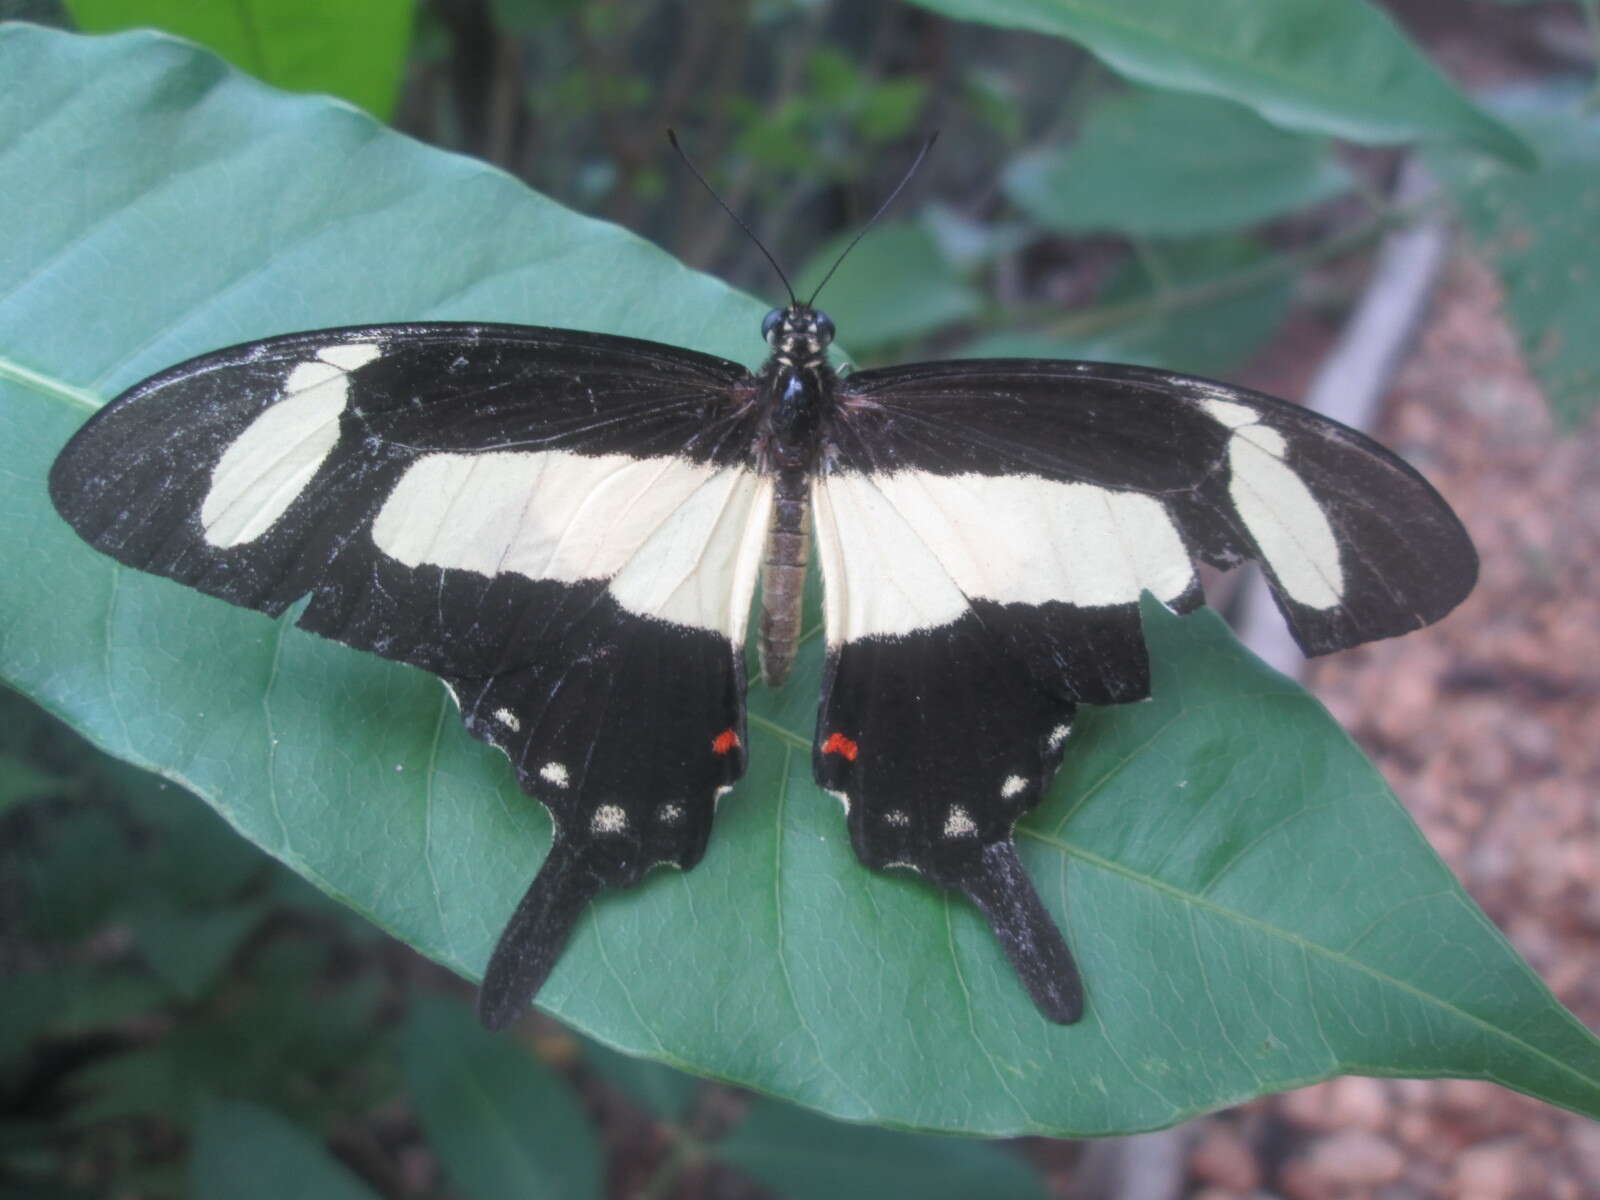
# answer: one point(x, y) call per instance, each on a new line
point(1169, 165)
point(1537, 230)
point(1252, 909)
point(1327, 66)
point(894, 286)
point(188, 951)
point(282, 1039)
point(244, 1152)
point(803, 1157)
point(355, 49)
point(1206, 339)
point(503, 1124)
point(22, 781)
point(665, 1093)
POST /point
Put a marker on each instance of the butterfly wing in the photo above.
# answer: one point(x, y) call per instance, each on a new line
point(985, 531)
point(561, 525)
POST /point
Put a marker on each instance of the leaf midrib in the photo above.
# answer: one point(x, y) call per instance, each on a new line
point(47, 385)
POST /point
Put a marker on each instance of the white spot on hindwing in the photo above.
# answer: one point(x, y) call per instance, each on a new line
point(509, 719)
point(555, 773)
point(897, 818)
point(1014, 785)
point(608, 818)
point(1059, 735)
point(669, 814)
point(959, 823)
point(1278, 508)
point(842, 798)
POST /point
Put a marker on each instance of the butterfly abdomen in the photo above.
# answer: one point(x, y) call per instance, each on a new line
point(783, 574)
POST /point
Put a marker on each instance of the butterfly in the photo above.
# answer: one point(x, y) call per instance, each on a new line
point(568, 529)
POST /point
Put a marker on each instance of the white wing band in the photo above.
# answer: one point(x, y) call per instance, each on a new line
point(1279, 510)
point(677, 540)
point(906, 551)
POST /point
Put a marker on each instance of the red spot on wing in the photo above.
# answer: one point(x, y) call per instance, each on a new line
point(837, 743)
point(724, 742)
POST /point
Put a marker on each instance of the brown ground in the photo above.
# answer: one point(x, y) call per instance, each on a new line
point(1488, 727)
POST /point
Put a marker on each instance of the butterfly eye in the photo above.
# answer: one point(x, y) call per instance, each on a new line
point(825, 327)
point(770, 323)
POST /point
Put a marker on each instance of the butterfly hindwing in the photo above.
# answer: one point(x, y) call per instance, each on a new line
point(986, 530)
point(561, 525)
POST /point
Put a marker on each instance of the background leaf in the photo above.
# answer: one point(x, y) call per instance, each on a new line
point(1207, 340)
point(898, 286)
point(245, 1152)
point(1165, 164)
point(1251, 907)
point(355, 49)
point(1329, 66)
point(504, 1125)
point(1531, 227)
point(663, 1092)
point(803, 1157)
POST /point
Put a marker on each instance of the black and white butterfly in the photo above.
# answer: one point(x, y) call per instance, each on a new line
point(568, 529)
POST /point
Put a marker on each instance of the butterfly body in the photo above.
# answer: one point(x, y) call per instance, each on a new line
point(568, 528)
point(797, 389)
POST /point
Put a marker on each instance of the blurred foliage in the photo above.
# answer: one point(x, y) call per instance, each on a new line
point(171, 997)
point(181, 1016)
point(355, 49)
point(1538, 232)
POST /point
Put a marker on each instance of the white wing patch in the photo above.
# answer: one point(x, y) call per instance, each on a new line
point(1278, 509)
point(679, 541)
point(905, 551)
point(260, 474)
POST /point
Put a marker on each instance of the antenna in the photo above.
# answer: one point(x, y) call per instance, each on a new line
point(688, 162)
point(882, 208)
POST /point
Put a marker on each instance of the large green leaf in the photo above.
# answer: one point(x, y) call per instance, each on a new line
point(1251, 908)
point(355, 49)
point(1328, 66)
point(503, 1124)
point(1168, 165)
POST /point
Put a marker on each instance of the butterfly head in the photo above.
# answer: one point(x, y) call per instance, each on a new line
point(799, 335)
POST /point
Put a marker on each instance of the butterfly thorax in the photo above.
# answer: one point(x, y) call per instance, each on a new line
point(796, 388)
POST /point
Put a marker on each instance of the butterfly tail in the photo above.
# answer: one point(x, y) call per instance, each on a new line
point(998, 885)
point(534, 937)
